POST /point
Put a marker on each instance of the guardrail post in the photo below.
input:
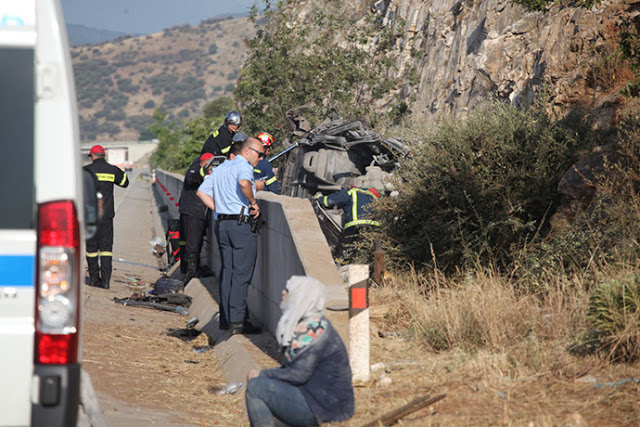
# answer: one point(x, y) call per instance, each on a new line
point(359, 322)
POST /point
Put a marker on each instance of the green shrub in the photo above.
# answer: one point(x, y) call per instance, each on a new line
point(217, 107)
point(607, 229)
point(480, 189)
point(542, 5)
point(178, 145)
point(614, 315)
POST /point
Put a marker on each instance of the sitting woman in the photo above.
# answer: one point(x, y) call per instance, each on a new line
point(314, 385)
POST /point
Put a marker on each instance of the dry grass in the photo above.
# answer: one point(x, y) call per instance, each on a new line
point(505, 361)
point(160, 371)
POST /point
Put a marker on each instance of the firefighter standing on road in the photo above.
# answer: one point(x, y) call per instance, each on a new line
point(356, 214)
point(219, 142)
point(100, 246)
point(193, 217)
point(263, 172)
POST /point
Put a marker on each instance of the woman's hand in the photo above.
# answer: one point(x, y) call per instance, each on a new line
point(252, 374)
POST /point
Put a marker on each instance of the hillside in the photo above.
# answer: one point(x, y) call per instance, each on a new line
point(120, 83)
point(81, 35)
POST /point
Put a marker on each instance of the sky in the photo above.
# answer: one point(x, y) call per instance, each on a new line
point(147, 16)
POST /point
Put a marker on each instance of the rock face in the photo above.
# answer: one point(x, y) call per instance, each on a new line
point(466, 51)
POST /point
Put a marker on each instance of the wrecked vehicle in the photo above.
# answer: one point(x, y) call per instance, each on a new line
point(337, 154)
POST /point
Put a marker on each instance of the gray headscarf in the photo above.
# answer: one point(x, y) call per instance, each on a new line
point(305, 299)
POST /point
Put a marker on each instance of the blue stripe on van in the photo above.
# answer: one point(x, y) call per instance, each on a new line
point(17, 270)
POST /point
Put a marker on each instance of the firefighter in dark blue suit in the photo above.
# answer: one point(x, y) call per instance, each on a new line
point(356, 214)
point(193, 217)
point(263, 172)
point(220, 140)
point(100, 246)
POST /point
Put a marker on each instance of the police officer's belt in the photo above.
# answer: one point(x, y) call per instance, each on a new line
point(224, 217)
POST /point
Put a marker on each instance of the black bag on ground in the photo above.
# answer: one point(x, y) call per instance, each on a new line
point(165, 285)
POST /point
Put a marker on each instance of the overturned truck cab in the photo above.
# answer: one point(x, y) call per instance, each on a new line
point(337, 154)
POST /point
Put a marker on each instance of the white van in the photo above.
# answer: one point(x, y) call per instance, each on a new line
point(41, 219)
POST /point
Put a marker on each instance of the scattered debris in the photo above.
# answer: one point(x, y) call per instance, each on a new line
point(191, 323)
point(124, 261)
point(384, 381)
point(617, 383)
point(378, 367)
point(228, 389)
point(392, 417)
point(166, 302)
point(165, 285)
point(201, 348)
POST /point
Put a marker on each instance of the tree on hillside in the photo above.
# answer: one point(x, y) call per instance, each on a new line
point(291, 64)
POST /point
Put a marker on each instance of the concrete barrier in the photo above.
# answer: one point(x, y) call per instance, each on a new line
point(290, 243)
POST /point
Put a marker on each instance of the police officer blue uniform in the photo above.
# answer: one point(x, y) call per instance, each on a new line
point(99, 247)
point(356, 212)
point(230, 191)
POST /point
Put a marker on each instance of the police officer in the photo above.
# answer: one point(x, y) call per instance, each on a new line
point(356, 214)
point(263, 172)
point(193, 217)
point(230, 191)
point(100, 246)
point(219, 142)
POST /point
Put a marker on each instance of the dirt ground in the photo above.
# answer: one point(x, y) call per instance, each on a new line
point(132, 356)
point(140, 364)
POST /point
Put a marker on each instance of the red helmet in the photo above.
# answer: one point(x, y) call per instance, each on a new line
point(265, 138)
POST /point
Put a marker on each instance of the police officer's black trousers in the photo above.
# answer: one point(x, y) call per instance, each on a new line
point(100, 255)
point(192, 230)
point(238, 250)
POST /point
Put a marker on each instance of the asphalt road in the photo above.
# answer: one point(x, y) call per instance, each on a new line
point(134, 229)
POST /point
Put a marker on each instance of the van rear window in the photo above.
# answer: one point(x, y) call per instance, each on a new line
point(17, 109)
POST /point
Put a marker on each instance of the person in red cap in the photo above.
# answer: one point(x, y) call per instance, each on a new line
point(193, 216)
point(100, 246)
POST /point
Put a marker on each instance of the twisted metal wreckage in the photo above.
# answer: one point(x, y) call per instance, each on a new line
point(335, 155)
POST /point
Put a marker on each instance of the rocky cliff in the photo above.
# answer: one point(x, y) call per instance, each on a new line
point(464, 52)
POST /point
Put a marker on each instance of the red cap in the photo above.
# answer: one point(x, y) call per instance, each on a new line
point(206, 156)
point(96, 149)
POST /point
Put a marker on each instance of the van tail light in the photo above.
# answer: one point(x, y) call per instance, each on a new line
point(58, 284)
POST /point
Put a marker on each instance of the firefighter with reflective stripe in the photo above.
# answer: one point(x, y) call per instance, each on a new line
point(265, 178)
point(356, 214)
point(220, 140)
point(100, 246)
point(193, 217)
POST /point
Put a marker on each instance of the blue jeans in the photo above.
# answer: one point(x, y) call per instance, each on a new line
point(267, 398)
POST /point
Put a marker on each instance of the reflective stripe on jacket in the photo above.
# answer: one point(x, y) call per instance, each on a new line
point(219, 142)
point(355, 206)
point(107, 176)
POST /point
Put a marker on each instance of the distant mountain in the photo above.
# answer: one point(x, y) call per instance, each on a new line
point(119, 83)
point(80, 35)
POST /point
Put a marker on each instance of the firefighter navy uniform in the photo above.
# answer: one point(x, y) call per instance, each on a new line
point(219, 142)
point(100, 246)
point(264, 171)
point(193, 218)
point(356, 213)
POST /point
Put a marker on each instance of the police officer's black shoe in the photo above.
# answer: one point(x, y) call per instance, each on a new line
point(245, 328)
point(235, 328)
point(250, 329)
